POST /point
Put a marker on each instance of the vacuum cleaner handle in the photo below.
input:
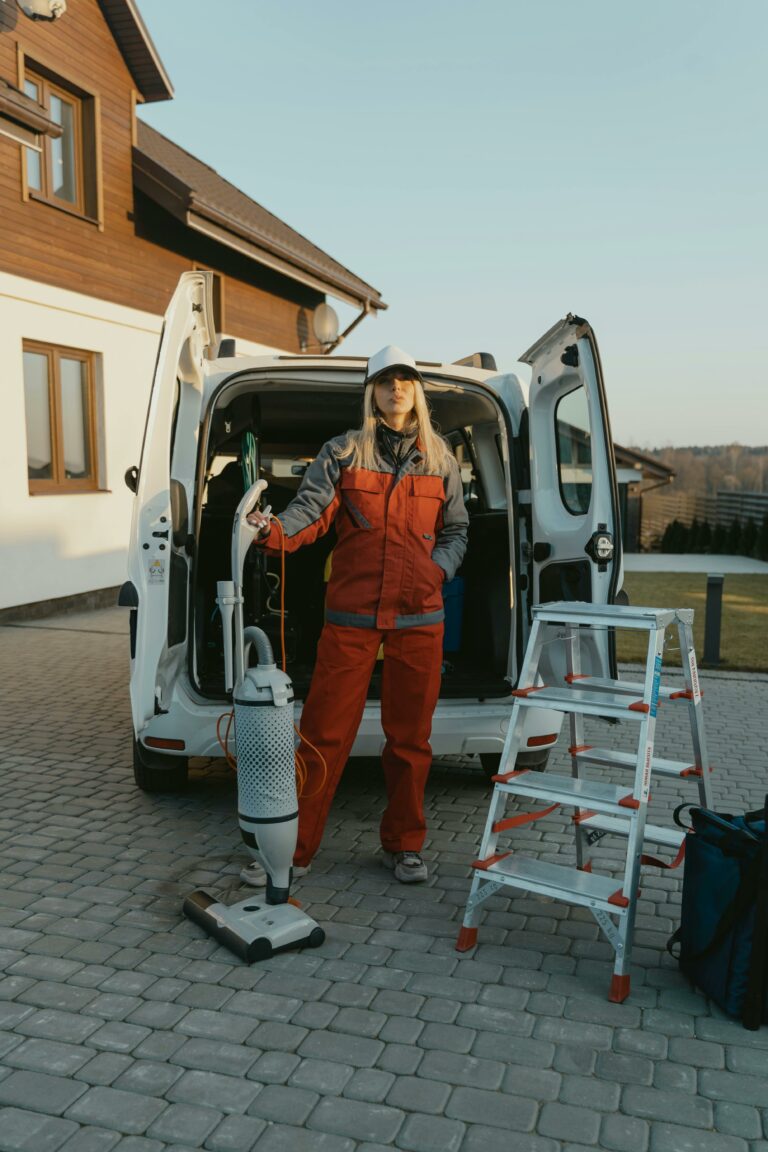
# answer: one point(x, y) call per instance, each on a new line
point(243, 532)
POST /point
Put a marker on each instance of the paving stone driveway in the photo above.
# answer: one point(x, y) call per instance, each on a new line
point(123, 1027)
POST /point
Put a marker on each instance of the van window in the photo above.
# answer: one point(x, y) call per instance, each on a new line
point(574, 451)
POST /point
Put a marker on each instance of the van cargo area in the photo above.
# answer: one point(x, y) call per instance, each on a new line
point(262, 429)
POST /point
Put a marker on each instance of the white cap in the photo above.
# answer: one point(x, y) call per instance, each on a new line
point(387, 359)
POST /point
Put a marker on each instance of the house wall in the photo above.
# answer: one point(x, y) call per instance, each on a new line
point(110, 259)
point(61, 545)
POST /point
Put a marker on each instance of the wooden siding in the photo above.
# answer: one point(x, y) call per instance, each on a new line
point(131, 256)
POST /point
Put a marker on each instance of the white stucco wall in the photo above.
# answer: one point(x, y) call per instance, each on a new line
point(60, 545)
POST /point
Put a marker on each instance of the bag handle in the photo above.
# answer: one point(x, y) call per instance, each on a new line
point(676, 816)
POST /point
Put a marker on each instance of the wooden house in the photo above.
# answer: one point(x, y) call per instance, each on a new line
point(99, 214)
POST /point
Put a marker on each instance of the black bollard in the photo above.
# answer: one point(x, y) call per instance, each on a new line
point(713, 619)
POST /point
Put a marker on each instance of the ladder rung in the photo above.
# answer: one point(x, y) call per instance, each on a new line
point(654, 833)
point(607, 615)
point(579, 700)
point(555, 880)
point(610, 758)
point(571, 790)
point(626, 687)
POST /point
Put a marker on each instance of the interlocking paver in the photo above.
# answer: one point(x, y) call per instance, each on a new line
point(91, 1140)
point(39, 1092)
point(185, 1124)
point(49, 1056)
point(431, 1134)
point(385, 1035)
point(124, 1111)
point(25, 1131)
point(478, 1106)
point(357, 1119)
point(236, 1134)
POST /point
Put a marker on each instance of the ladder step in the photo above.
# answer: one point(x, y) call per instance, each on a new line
point(571, 790)
point(610, 758)
point(607, 615)
point(654, 833)
point(626, 687)
point(580, 700)
point(555, 880)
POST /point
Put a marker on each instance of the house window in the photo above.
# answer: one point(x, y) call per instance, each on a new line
point(64, 172)
point(60, 406)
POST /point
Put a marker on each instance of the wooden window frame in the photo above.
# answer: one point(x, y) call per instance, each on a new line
point(59, 485)
point(88, 204)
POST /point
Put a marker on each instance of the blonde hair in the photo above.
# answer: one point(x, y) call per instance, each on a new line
point(361, 444)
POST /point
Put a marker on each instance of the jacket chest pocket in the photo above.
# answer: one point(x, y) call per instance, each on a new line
point(362, 494)
point(426, 505)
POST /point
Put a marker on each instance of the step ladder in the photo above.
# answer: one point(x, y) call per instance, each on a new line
point(599, 809)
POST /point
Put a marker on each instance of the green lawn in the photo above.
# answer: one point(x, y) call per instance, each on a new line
point(744, 634)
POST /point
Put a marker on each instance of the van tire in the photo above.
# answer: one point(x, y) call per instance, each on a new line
point(532, 761)
point(156, 772)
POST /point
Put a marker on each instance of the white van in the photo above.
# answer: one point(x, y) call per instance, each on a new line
point(540, 488)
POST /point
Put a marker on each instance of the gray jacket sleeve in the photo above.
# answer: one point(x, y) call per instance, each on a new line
point(313, 509)
point(451, 543)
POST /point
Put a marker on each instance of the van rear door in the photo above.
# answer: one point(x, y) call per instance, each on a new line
point(158, 554)
point(575, 546)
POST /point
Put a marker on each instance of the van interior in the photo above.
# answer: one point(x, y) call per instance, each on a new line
point(262, 429)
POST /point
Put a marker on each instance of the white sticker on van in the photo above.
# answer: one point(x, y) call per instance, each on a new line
point(157, 570)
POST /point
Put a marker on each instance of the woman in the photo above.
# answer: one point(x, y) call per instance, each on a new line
point(392, 488)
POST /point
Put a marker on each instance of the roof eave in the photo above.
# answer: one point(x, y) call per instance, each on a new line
point(205, 218)
point(137, 49)
point(254, 251)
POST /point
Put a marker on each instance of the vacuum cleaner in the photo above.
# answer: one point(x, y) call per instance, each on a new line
point(267, 803)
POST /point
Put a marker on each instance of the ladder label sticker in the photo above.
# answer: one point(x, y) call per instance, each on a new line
point(694, 676)
point(647, 771)
point(656, 685)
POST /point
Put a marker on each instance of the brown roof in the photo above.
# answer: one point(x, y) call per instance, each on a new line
point(195, 194)
point(138, 51)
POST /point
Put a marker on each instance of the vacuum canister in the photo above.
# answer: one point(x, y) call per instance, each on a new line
point(266, 772)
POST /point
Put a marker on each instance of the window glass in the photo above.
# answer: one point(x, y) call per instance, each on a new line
point(74, 418)
point(38, 411)
point(574, 450)
point(63, 151)
point(34, 160)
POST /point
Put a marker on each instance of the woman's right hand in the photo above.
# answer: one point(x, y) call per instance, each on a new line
point(260, 521)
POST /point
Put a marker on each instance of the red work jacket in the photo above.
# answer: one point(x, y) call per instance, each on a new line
point(400, 535)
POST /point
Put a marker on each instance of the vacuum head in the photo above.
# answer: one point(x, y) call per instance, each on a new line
point(252, 929)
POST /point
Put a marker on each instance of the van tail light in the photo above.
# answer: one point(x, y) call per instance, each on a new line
point(540, 741)
point(159, 742)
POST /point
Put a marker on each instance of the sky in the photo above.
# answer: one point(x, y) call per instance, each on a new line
point(491, 166)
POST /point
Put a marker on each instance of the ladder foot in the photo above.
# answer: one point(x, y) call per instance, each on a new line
point(619, 989)
point(467, 939)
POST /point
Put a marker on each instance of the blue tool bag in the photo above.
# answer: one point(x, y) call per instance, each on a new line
point(723, 933)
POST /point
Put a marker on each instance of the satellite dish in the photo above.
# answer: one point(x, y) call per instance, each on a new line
point(325, 323)
point(43, 9)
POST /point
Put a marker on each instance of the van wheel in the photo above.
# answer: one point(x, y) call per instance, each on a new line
point(156, 772)
point(533, 761)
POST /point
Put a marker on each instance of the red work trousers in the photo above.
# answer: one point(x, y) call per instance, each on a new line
point(331, 717)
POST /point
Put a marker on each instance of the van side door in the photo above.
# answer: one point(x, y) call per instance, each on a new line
point(575, 546)
point(158, 553)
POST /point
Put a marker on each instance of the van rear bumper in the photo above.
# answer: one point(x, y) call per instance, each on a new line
point(459, 727)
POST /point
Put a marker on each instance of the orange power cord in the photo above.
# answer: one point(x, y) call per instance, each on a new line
point(302, 771)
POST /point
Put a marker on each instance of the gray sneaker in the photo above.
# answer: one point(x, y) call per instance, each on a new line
point(409, 868)
point(255, 875)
